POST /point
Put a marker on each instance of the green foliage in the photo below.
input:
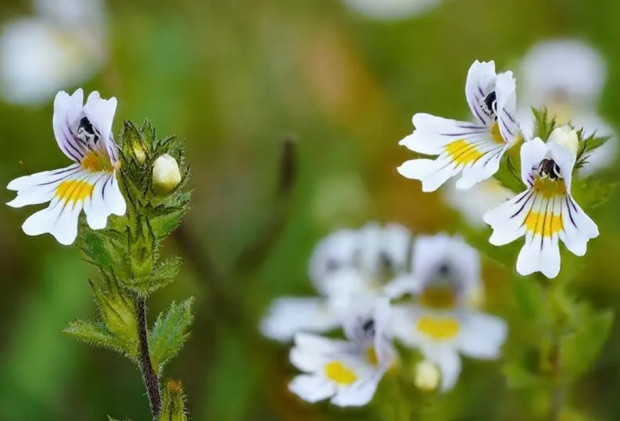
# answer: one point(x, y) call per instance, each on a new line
point(169, 333)
point(127, 256)
point(544, 123)
point(581, 347)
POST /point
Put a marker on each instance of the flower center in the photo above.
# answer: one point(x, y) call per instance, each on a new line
point(439, 329)
point(489, 105)
point(96, 161)
point(462, 152)
point(339, 373)
point(438, 297)
point(496, 134)
point(371, 356)
point(549, 181)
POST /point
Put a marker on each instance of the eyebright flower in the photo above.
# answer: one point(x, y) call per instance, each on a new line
point(544, 213)
point(64, 44)
point(346, 372)
point(567, 77)
point(346, 266)
point(440, 322)
point(473, 150)
point(391, 9)
point(83, 133)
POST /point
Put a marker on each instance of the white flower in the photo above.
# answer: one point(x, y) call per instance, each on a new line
point(567, 77)
point(544, 213)
point(565, 137)
point(440, 323)
point(84, 134)
point(564, 69)
point(472, 149)
point(166, 174)
point(391, 9)
point(427, 376)
point(346, 372)
point(480, 198)
point(63, 45)
point(347, 266)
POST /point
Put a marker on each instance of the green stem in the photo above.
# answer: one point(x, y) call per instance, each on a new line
point(150, 378)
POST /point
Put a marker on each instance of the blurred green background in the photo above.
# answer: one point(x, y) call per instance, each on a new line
point(235, 78)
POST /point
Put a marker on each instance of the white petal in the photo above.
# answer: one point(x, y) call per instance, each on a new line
point(449, 255)
point(58, 220)
point(432, 173)
point(568, 66)
point(482, 335)
point(357, 394)
point(403, 324)
point(449, 363)
point(332, 254)
point(95, 207)
point(565, 159)
point(483, 168)
point(100, 113)
point(289, 315)
point(67, 111)
point(507, 107)
point(432, 133)
point(312, 351)
point(539, 254)
point(113, 197)
point(40, 187)
point(507, 218)
point(480, 83)
point(578, 227)
point(532, 152)
point(312, 388)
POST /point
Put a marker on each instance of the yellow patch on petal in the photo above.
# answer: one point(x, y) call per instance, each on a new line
point(439, 328)
point(371, 356)
point(96, 161)
point(438, 297)
point(74, 190)
point(546, 224)
point(463, 152)
point(496, 134)
point(339, 373)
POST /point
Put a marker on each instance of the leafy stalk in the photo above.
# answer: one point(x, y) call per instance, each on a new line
point(127, 256)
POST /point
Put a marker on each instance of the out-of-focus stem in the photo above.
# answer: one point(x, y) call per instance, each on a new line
point(151, 381)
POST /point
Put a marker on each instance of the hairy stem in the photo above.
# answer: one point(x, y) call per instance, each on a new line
point(151, 381)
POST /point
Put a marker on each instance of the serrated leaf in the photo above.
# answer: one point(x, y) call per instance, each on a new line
point(162, 275)
point(579, 349)
point(96, 334)
point(169, 333)
point(591, 193)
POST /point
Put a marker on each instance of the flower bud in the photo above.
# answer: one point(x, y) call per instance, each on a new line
point(166, 174)
point(139, 153)
point(566, 137)
point(427, 376)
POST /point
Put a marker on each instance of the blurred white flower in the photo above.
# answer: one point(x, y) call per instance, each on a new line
point(391, 9)
point(63, 45)
point(346, 372)
point(471, 150)
point(567, 77)
point(346, 267)
point(440, 323)
point(545, 212)
point(480, 198)
point(84, 134)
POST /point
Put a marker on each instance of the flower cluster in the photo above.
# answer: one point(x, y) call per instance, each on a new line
point(545, 211)
point(379, 284)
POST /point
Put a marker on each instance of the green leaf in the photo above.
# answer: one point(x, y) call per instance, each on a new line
point(591, 193)
point(169, 333)
point(580, 348)
point(162, 275)
point(530, 297)
point(518, 377)
point(96, 334)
